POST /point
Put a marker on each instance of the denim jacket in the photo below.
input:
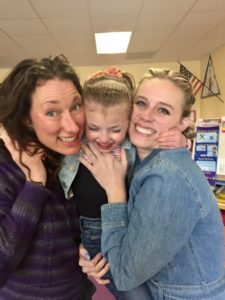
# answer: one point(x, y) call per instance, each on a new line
point(70, 165)
point(169, 235)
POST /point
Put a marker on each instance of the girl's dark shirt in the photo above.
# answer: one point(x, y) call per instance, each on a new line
point(88, 193)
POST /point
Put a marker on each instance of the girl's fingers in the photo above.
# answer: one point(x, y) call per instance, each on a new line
point(97, 267)
point(88, 154)
point(102, 281)
point(94, 150)
point(123, 158)
point(98, 275)
point(86, 162)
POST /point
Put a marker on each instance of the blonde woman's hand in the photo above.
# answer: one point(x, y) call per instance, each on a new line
point(34, 162)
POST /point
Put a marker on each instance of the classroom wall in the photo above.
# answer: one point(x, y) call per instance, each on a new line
point(137, 70)
point(212, 107)
point(209, 107)
point(3, 73)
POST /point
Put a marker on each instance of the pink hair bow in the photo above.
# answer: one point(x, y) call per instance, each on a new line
point(112, 71)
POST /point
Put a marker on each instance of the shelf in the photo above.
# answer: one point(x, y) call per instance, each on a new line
point(220, 180)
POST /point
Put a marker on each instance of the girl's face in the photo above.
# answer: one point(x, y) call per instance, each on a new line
point(57, 116)
point(106, 128)
point(158, 106)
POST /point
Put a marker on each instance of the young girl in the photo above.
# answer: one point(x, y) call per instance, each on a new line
point(108, 99)
point(169, 235)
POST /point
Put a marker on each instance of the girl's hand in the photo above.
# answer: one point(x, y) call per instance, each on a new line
point(173, 138)
point(96, 268)
point(109, 171)
point(22, 159)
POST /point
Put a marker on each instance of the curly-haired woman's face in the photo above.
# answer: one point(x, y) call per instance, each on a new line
point(57, 116)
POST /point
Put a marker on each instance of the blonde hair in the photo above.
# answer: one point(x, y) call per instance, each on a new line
point(108, 89)
point(180, 82)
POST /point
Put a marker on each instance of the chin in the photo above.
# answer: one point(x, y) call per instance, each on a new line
point(70, 151)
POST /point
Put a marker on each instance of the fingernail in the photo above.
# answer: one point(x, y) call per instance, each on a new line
point(87, 256)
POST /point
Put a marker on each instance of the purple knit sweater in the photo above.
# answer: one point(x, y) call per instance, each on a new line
point(39, 240)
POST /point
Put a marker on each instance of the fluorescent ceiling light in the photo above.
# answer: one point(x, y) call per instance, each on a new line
point(112, 42)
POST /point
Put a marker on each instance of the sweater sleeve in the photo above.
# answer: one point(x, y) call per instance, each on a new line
point(21, 204)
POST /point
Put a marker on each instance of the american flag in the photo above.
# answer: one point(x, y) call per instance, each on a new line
point(195, 82)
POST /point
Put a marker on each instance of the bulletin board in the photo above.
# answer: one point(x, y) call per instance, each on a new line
point(221, 151)
point(207, 149)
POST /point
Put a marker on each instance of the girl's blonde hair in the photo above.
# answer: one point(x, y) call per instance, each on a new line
point(109, 88)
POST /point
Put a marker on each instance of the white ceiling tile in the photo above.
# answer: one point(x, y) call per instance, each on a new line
point(208, 45)
point(4, 63)
point(9, 45)
point(181, 35)
point(67, 25)
point(162, 6)
point(218, 32)
point(142, 41)
point(11, 52)
point(151, 22)
point(205, 20)
point(22, 26)
point(37, 45)
point(10, 9)
point(60, 8)
point(75, 42)
point(113, 23)
point(115, 7)
point(171, 28)
point(209, 6)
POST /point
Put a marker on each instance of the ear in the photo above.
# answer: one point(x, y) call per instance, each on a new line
point(185, 122)
point(28, 123)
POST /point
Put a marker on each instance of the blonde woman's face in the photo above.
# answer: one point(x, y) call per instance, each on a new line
point(158, 106)
point(106, 128)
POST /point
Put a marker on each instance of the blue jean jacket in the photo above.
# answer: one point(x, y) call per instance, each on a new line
point(170, 233)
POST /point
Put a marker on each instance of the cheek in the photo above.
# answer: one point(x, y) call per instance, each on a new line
point(135, 115)
point(91, 135)
point(80, 121)
point(42, 125)
point(121, 137)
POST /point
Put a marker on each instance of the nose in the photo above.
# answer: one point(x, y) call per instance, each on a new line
point(149, 114)
point(69, 123)
point(104, 137)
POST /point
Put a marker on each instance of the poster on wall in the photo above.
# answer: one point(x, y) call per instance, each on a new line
point(206, 148)
point(210, 85)
point(221, 153)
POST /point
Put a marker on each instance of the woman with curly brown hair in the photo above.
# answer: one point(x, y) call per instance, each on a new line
point(41, 111)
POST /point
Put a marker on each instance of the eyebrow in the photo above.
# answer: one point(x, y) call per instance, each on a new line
point(161, 102)
point(50, 102)
point(76, 98)
point(113, 127)
point(166, 104)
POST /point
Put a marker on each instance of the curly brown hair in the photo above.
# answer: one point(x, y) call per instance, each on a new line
point(16, 98)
